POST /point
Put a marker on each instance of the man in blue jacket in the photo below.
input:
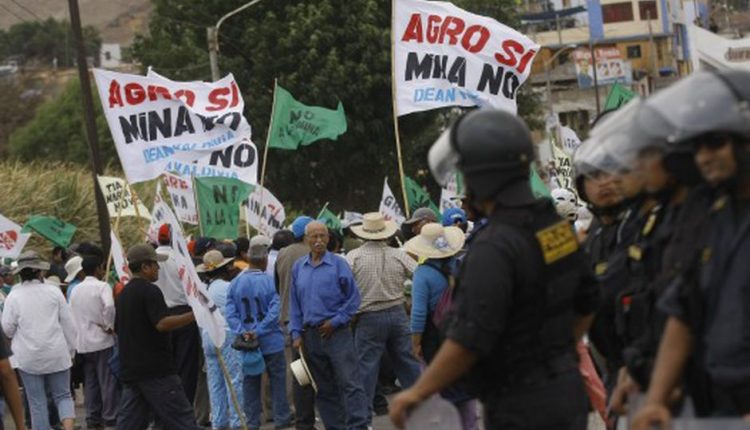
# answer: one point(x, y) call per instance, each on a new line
point(252, 311)
point(324, 298)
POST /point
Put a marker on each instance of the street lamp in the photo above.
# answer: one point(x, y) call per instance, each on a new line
point(213, 39)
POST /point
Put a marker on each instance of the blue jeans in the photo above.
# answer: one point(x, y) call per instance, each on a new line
point(223, 413)
point(341, 400)
point(37, 387)
point(379, 332)
point(276, 368)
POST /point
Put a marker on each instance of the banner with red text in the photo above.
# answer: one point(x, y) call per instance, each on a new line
point(180, 190)
point(12, 239)
point(154, 120)
point(445, 56)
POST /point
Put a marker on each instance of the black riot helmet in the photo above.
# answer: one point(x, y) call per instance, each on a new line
point(492, 148)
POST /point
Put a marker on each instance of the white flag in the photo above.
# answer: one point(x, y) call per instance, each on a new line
point(154, 120)
point(12, 240)
point(389, 206)
point(207, 314)
point(152, 235)
point(265, 212)
point(446, 56)
point(113, 189)
point(449, 195)
point(570, 140)
point(119, 259)
point(180, 190)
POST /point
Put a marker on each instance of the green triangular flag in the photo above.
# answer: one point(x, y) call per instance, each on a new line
point(418, 197)
point(537, 185)
point(618, 96)
point(294, 124)
point(330, 219)
point(218, 200)
point(56, 231)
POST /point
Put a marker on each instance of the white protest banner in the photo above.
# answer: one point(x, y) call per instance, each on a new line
point(351, 218)
point(389, 206)
point(561, 172)
point(119, 259)
point(446, 56)
point(12, 240)
point(238, 161)
point(113, 189)
point(449, 195)
point(154, 120)
point(265, 212)
point(180, 190)
point(152, 235)
point(207, 314)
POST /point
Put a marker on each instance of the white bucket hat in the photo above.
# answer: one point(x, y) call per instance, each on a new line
point(73, 267)
point(375, 227)
point(302, 373)
point(436, 241)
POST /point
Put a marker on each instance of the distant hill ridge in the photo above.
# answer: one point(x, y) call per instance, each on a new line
point(117, 20)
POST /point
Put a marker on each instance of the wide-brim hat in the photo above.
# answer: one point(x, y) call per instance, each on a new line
point(375, 227)
point(30, 260)
point(436, 241)
point(73, 267)
point(213, 260)
point(302, 373)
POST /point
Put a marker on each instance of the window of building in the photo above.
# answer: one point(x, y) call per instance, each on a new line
point(617, 12)
point(634, 51)
point(647, 10)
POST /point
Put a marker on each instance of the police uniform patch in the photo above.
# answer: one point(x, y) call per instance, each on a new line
point(719, 204)
point(635, 252)
point(601, 268)
point(557, 241)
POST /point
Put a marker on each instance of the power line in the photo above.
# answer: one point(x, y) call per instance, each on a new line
point(12, 13)
point(27, 10)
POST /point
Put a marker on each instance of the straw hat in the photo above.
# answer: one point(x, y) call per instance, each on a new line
point(213, 260)
point(302, 373)
point(30, 260)
point(436, 241)
point(375, 227)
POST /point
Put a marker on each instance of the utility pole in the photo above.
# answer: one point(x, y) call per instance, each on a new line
point(88, 112)
point(596, 76)
point(652, 54)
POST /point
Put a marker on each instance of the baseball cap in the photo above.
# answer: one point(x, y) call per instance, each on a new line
point(165, 233)
point(422, 214)
point(142, 253)
point(453, 215)
point(299, 224)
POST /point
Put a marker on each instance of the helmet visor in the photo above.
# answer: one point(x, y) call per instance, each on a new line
point(443, 159)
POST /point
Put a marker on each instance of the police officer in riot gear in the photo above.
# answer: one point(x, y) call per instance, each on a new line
point(708, 308)
point(524, 295)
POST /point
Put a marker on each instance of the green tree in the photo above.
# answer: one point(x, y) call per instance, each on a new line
point(42, 41)
point(18, 107)
point(323, 52)
point(57, 131)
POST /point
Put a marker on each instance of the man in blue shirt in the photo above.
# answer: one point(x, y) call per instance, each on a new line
point(324, 298)
point(252, 311)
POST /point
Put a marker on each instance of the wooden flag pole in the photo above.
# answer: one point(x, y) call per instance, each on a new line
point(230, 386)
point(395, 109)
point(135, 199)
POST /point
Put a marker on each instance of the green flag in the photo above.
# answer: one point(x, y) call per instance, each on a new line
point(537, 185)
point(56, 231)
point(294, 124)
point(618, 96)
point(330, 219)
point(418, 197)
point(219, 201)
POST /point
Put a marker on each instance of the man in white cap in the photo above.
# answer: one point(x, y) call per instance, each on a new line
point(74, 269)
point(382, 325)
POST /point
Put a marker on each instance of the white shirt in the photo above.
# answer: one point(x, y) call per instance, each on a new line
point(37, 319)
point(93, 309)
point(271, 267)
point(169, 279)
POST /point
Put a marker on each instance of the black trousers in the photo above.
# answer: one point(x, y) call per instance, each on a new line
point(163, 397)
point(558, 403)
point(187, 350)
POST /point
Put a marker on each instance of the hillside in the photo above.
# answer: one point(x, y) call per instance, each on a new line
point(117, 20)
